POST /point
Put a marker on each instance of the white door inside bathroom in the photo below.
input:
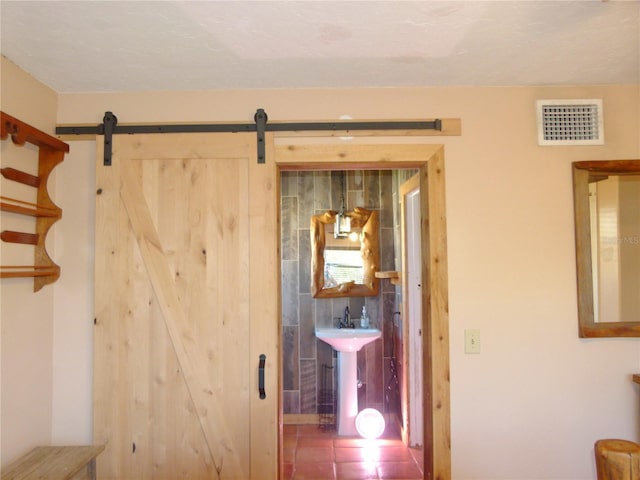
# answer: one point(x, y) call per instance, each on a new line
point(411, 215)
point(184, 307)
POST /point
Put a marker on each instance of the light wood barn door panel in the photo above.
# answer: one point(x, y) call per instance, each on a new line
point(184, 225)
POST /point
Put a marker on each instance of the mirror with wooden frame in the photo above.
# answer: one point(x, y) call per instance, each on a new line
point(344, 267)
point(607, 226)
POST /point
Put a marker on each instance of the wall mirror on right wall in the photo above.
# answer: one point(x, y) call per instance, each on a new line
point(607, 226)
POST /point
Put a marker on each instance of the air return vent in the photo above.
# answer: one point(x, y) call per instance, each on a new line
point(570, 122)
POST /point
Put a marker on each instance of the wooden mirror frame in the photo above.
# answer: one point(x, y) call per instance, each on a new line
point(582, 171)
point(369, 248)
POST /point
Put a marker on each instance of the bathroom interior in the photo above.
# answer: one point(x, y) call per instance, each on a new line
point(309, 365)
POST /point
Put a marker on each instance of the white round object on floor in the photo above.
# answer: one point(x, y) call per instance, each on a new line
point(370, 423)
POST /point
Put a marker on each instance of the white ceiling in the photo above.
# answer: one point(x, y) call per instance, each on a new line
point(91, 46)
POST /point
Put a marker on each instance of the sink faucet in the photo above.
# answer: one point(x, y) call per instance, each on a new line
point(346, 321)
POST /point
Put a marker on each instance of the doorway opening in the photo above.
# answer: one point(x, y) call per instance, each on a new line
point(304, 360)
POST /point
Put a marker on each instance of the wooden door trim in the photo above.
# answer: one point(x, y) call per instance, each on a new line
point(429, 158)
point(435, 318)
point(264, 314)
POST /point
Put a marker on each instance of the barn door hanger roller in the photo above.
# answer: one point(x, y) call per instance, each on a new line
point(110, 127)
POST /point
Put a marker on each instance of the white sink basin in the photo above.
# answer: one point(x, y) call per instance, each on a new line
point(348, 339)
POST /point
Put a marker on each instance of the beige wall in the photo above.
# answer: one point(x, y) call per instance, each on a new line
point(537, 396)
point(26, 317)
point(73, 298)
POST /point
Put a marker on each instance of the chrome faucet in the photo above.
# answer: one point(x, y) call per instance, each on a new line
point(346, 320)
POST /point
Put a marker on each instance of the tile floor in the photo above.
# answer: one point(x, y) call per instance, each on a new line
point(312, 453)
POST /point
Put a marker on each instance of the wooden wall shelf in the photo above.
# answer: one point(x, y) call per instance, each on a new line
point(394, 277)
point(50, 153)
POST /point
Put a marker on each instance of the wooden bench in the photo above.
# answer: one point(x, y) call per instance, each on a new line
point(55, 463)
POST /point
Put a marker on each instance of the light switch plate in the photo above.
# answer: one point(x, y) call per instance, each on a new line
point(472, 341)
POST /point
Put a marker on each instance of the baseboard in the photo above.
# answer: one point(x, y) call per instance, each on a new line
point(300, 419)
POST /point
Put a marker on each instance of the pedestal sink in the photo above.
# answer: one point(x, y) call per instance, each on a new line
point(347, 342)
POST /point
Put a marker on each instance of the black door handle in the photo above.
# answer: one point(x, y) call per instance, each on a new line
point(263, 395)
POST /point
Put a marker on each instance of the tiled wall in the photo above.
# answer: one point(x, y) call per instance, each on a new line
point(304, 194)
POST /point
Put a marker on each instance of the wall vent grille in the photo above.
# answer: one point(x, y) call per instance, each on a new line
point(570, 122)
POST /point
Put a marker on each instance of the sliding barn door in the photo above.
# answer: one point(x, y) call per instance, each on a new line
point(185, 305)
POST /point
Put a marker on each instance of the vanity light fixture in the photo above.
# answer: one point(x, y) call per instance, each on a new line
point(343, 221)
point(343, 225)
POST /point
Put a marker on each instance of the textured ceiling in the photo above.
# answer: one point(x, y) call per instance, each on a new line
point(82, 46)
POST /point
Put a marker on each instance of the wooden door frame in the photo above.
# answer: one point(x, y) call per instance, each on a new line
point(429, 158)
